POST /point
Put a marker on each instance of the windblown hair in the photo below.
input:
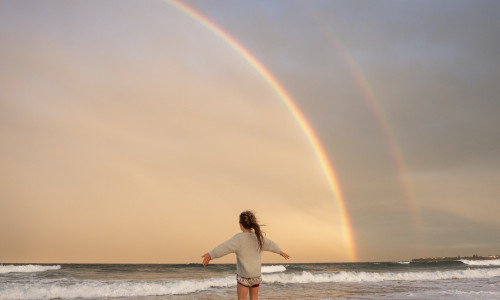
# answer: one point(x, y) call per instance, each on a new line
point(249, 221)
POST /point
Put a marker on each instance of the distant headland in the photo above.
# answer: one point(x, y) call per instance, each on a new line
point(473, 257)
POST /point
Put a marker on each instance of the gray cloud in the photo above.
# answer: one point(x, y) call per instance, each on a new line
point(433, 68)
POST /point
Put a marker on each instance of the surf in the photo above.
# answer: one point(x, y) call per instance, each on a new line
point(346, 276)
point(122, 288)
point(273, 269)
point(26, 268)
point(50, 289)
point(491, 262)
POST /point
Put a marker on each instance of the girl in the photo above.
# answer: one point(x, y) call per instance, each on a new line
point(248, 246)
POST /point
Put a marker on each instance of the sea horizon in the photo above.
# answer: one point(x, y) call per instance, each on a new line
point(474, 256)
point(461, 279)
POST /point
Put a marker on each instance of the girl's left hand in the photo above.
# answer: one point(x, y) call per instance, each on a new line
point(206, 259)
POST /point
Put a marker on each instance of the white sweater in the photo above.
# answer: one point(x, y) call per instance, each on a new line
point(246, 248)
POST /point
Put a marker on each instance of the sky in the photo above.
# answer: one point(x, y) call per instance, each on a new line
point(132, 132)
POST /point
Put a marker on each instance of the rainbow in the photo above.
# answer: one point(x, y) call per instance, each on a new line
point(290, 104)
point(370, 97)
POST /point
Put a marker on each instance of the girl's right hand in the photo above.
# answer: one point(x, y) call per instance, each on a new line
point(286, 256)
point(206, 259)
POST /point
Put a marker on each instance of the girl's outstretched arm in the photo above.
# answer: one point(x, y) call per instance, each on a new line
point(206, 259)
point(286, 256)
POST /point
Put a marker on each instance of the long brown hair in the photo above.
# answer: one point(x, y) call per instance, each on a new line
point(249, 221)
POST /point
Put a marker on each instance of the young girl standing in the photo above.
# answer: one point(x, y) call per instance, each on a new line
point(247, 245)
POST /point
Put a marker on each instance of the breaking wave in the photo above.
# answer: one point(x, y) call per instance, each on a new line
point(26, 268)
point(65, 289)
point(103, 289)
point(307, 277)
point(273, 269)
point(491, 262)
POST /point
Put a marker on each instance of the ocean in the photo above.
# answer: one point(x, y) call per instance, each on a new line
point(462, 279)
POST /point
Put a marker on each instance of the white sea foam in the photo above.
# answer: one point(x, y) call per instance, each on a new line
point(273, 269)
point(68, 289)
point(117, 288)
point(404, 262)
point(491, 262)
point(26, 268)
point(307, 277)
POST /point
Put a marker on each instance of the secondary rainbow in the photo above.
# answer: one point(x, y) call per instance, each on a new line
point(288, 101)
point(370, 97)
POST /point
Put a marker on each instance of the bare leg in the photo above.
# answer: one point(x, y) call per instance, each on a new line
point(242, 292)
point(254, 293)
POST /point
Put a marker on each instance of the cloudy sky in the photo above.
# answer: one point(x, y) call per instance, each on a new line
point(131, 132)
